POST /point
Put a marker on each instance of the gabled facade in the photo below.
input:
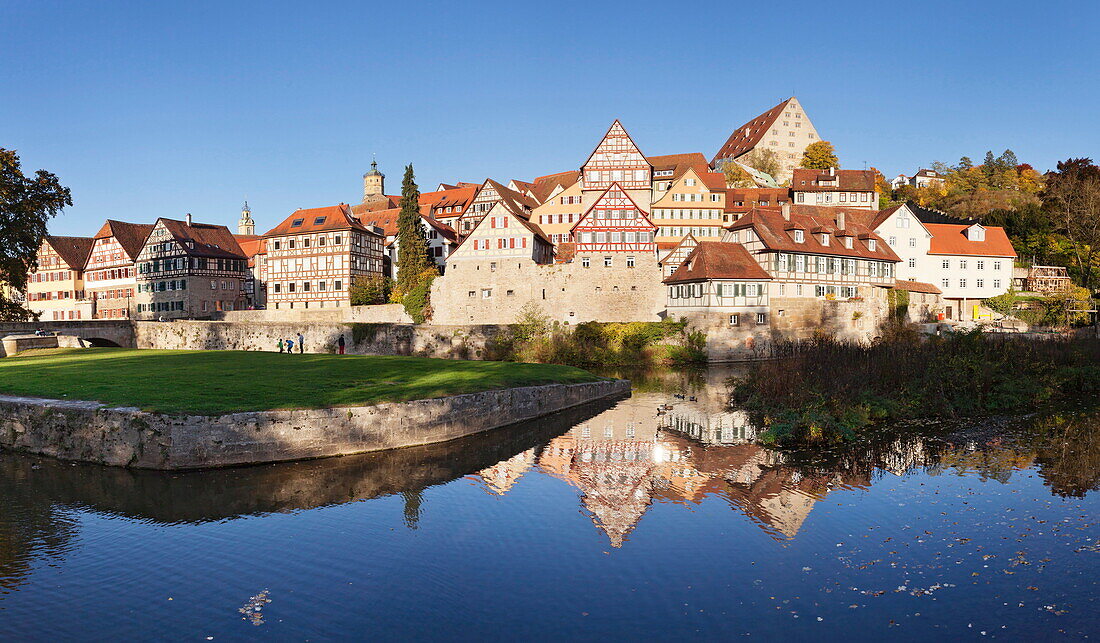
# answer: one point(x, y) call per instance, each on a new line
point(488, 195)
point(188, 269)
point(614, 224)
point(55, 290)
point(833, 187)
point(617, 159)
point(314, 255)
point(110, 278)
point(502, 234)
point(560, 206)
point(784, 129)
point(719, 277)
point(690, 201)
point(677, 254)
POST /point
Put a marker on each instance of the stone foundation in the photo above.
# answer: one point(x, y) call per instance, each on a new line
point(92, 432)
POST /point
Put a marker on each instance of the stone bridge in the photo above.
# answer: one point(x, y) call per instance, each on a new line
point(97, 332)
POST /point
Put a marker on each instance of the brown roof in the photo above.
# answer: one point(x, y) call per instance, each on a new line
point(717, 260)
point(131, 236)
point(950, 239)
point(445, 231)
point(204, 239)
point(543, 186)
point(806, 180)
point(775, 232)
point(385, 219)
point(751, 196)
point(881, 216)
point(73, 250)
point(916, 286)
point(333, 217)
point(676, 161)
point(746, 137)
point(514, 201)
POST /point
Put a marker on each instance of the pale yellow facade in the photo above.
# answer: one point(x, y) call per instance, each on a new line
point(560, 212)
point(55, 291)
point(686, 205)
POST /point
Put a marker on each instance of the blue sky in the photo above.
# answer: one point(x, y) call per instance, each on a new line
point(149, 110)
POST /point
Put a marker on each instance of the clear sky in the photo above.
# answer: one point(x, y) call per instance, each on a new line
point(148, 110)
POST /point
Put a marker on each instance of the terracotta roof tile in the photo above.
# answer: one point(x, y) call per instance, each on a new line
point(771, 227)
point(73, 250)
point(204, 239)
point(717, 260)
point(950, 239)
point(544, 186)
point(916, 286)
point(333, 217)
point(806, 180)
point(131, 236)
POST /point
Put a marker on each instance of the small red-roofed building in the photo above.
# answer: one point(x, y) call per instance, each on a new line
point(315, 254)
point(833, 187)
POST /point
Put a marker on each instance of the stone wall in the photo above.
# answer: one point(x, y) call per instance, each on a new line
point(91, 432)
point(567, 292)
point(385, 313)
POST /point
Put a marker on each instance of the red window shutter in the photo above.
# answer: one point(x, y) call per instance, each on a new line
point(525, 242)
point(505, 222)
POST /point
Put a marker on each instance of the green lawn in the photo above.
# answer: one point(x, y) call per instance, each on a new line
point(213, 382)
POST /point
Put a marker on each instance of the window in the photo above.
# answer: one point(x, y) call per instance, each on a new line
point(981, 283)
point(761, 319)
point(996, 283)
point(735, 319)
point(585, 262)
point(278, 288)
point(319, 221)
point(962, 264)
point(305, 286)
point(486, 293)
point(291, 286)
point(981, 265)
point(338, 239)
point(297, 223)
point(996, 265)
point(213, 285)
point(473, 293)
point(872, 244)
point(277, 245)
point(962, 283)
point(337, 285)
point(912, 263)
point(799, 236)
point(630, 262)
point(824, 239)
point(321, 286)
point(945, 264)
point(607, 262)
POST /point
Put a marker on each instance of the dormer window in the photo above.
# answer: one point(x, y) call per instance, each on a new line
point(297, 223)
point(824, 239)
point(319, 221)
point(872, 245)
point(799, 236)
point(847, 242)
point(975, 233)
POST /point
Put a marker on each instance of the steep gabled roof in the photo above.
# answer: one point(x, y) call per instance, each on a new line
point(131, 236)
point(514, 201)
point(717, 260)
point(73, 250)
point(444, 230)
point(745, 138)
point(596, 201)
point(544, 186)
point(689, 241)
point(333, 217)
point(950, 239)
point(772, 229)
point(676, 162)
point(615, 124)
point(204, 239)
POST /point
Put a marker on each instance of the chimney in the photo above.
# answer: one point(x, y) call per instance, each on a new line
point(840, 220)
point(786, 208)
point(188, 219)
point(832, 171)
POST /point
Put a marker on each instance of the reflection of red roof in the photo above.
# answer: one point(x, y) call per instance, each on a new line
point(333, 217)
point(948, 239)
point(717, 260)
point(775, 232)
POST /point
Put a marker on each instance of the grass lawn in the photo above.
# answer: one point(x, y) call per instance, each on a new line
point(214, 382)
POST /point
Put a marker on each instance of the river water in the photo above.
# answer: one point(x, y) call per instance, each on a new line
point(655, 517)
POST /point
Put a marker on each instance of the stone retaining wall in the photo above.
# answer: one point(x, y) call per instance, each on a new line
point(381, 314)
point(92, 432)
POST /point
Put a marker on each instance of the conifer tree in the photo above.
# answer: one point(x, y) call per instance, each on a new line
point(412, 239)
point(819, 155)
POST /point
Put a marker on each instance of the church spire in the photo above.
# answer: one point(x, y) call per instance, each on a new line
point(246, 226)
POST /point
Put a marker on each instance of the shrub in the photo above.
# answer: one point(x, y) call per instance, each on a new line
point(369, 291)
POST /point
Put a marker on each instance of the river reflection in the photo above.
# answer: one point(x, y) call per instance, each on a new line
point(673, 444)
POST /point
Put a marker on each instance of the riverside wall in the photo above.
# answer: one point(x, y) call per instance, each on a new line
point(128, 437)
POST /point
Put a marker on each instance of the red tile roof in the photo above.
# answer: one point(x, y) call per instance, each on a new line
point(204, 239)
point(752, 196)
point(544, 186)
point(385, 219)
point(949, 239)
point(916, 286)
point(775, 232)
point(745, 138)
point(806, 180)
point(717, 260)
point(73, 250)
point(131, 236)
point(333, 217)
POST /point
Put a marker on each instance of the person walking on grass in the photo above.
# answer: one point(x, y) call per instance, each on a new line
point(290, 346)
point(301, 344)
point(340, 345)
point(280, 343)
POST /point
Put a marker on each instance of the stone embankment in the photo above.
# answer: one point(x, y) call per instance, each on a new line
point(92, 432)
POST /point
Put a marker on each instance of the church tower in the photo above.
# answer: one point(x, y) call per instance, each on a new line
point(374, 184)
point(246, 226)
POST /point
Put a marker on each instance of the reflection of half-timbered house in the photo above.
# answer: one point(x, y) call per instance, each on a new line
point(614, 223)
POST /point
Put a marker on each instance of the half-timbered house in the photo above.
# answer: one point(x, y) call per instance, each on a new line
point(614, 225)
point(617, 159)
point(110, 279)
point(491, 193)
point(55, 290)
point(676, 255)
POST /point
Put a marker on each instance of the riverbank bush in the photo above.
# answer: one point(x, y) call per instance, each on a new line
point(829, 391)
point(534, 338)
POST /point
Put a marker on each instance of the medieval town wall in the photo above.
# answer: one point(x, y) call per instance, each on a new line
point(92, 432)
point(383, 313)
point(567, 292)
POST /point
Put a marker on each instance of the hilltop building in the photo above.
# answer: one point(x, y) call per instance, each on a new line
point(784, 129)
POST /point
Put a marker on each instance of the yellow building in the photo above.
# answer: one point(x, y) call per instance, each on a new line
point(55, 291)
point(688, 199)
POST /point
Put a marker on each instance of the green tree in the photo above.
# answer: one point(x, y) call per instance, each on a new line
point(1003, 304)
point(820, 155)
point(763, 160)
point(369, 291)
point(412, 239)
point(736, 176)
point(26, 203)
